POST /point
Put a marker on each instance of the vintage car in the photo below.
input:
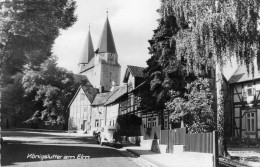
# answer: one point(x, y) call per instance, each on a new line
point(109, 135)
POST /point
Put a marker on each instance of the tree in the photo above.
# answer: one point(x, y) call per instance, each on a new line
point(28, 30)
point(52, 88)
point(194, 108)
point(164, 71)
point(15, 104)
point(211, 32)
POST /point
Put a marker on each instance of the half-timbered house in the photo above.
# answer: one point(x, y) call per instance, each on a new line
point(245, 95)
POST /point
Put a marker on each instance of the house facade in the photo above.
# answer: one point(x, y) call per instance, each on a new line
point(80, 109)
point(245, 96)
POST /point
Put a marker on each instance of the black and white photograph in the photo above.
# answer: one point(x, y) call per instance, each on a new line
point(130, 83)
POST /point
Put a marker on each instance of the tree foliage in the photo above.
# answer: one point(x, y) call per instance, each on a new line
point(164, 70)
point(213, 31)
point(28, 30)
point(52, 88)
point(194, 108)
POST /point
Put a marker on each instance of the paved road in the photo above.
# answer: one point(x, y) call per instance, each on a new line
point(49, 149)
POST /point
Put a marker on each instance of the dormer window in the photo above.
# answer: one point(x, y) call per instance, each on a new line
point(248, 92)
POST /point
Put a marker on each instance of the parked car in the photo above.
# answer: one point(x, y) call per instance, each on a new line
point(109, 135)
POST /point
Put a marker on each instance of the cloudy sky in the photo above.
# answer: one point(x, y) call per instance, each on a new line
point(132, 23)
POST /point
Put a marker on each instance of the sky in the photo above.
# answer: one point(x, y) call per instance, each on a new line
point(132, 23)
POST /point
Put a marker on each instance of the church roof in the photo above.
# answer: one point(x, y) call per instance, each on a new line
point(106, 42)
point(241, 75)
point(88, 50)
point(87, 66)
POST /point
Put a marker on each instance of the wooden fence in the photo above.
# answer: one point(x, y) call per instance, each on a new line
point(199, 142)
point(173, 137)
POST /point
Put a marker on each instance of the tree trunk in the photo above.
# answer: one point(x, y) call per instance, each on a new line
point(220, 111)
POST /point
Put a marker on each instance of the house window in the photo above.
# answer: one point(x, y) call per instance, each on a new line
point(154, 121)
point(149, 122)
point(96, 123)
point(82, 96)
point(85, 108)
point(250, 122)
point(113, 123)
point(249, 90)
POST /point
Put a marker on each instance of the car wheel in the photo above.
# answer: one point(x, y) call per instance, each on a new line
point(101, 143)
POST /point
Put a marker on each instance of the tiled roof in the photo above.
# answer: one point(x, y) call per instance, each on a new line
point(88, 51)
point(90, 92)
point(136, 71)
point(106, 41)
point(241, 75)
point(117, 93)
point(81, 79)
point(101, 98)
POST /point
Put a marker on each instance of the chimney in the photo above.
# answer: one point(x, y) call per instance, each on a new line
point(101, 89)
point(113, 86)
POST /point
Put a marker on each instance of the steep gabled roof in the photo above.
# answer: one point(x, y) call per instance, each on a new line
point(241, 75)
point(118, 92)
point(135, 71)
point(90, 92)
point(106, 42)
point(101, 98)
point(81, 79)
point(88, 50)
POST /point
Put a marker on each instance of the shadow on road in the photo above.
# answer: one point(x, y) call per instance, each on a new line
point(14, 153)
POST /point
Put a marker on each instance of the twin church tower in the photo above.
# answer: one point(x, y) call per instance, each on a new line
point(101, 66)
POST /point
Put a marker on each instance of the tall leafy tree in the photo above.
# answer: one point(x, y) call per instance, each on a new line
point(211, 33)
point(28, 30)
point(165, 72)
point(52, 88)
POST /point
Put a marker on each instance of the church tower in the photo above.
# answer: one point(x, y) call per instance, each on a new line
point(103, 69)
point(87, 54)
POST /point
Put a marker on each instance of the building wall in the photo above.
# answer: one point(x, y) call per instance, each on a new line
point(112, 114)
point(94, 75)
point(98, 117)
point(80, 111)
point(246, 109)
point(110, 73)
point(104, 72)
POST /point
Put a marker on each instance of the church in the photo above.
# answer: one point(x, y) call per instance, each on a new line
point(103, 72)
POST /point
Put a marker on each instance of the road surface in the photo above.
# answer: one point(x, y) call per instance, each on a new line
point(50, 149)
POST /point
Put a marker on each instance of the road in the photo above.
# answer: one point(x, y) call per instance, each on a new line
point(50, 149)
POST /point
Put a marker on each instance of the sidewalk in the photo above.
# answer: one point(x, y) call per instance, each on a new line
point(152, 159)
